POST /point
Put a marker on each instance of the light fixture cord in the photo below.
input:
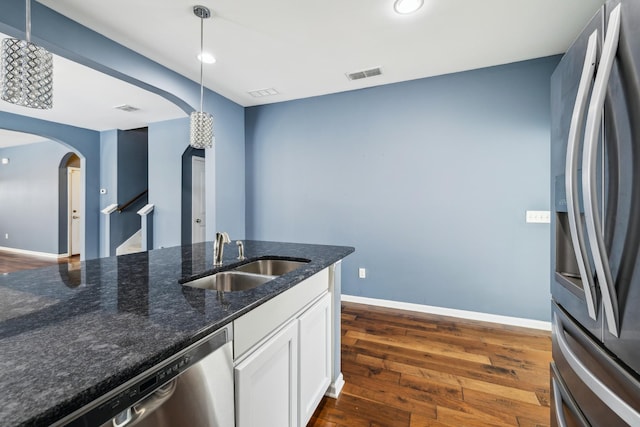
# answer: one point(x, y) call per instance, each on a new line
point(28, 17)
point(201, 62)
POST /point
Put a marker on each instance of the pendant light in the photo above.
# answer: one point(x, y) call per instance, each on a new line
point(26, 71)
point(201, 122)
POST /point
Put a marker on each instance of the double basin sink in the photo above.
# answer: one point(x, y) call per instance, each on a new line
point(246, 276)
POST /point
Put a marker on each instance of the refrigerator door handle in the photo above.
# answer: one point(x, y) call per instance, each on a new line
point(571, 174)
point(557, 401)
point(562, 395)
point(604, 393)
point(589, 182)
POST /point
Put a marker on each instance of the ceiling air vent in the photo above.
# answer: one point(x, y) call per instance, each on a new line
point(371, 72)
point(126, 107)
point(259, 93)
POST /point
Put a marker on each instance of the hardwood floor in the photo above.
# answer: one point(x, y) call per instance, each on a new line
point(413, 369)
point(11, 262)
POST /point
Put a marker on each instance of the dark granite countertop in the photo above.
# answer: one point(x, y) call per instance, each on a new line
point(69, 336)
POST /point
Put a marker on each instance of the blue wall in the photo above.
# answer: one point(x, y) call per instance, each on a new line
point(29, 196)
point(86, 144)
point(225, 177)
point(170, 139)
point(108, 181)
point(132, 163)
point(132, 181)
point(428, 179)
point(227, 161)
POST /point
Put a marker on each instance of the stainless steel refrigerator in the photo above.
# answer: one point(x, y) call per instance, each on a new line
point(595, 228)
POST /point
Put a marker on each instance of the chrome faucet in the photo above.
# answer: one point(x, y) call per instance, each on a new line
point(240, 250)
point(218, 248)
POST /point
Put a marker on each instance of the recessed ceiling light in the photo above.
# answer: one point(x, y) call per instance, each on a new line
point(207, 58)
point(405, 7)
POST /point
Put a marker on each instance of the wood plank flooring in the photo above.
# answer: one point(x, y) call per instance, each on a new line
point(409, 369)
point(11, 262)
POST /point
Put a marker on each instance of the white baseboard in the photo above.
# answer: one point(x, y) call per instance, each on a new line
point(463, 314)
point(33, 253)
point(336, 387)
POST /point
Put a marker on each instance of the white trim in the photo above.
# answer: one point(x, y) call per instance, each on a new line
point(146, 209)
point(109, 209)
point(33, 253)
point(336, 387)
point(442, 311)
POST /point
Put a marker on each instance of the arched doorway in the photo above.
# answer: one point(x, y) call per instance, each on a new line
point(70, 206)
point(34, 201)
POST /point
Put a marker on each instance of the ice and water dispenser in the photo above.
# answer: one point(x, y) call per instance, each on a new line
point(566, 264)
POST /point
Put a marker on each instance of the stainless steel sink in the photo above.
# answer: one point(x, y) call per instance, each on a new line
point(230, 281)
point(272, 267)
point(247, 276)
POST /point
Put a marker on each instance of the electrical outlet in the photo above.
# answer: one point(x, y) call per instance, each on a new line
point(6, 236)
point(362, 273)
point(538, 217)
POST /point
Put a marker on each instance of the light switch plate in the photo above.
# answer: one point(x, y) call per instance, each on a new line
point(538, 217)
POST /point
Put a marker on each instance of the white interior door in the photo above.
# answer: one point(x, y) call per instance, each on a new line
point(198, 207)
point(75, 209)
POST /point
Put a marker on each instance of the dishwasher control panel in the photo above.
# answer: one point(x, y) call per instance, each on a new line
point(123, 398)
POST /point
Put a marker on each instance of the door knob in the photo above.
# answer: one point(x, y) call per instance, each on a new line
point(198, 220)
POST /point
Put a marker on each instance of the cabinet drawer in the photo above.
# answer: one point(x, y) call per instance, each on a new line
point(249, 329)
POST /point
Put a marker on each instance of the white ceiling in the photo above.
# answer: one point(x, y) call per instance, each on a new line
point(9, 138)
point(300, 48)
point(303, 48)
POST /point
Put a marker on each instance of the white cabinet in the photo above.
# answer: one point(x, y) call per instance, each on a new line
point(267, 382)
point(314, 357)
point(281, 380)
point(263, 320)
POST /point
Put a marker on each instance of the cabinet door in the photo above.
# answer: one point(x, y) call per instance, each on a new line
point(315, 356)
point(267, 382)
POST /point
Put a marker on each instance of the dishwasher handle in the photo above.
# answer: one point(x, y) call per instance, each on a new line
point(136, 413)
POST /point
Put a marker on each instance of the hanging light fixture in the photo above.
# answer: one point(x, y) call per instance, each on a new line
point(201, 122)
point(26, 71)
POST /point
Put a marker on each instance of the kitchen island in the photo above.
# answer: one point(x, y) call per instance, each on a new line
point(68, 337)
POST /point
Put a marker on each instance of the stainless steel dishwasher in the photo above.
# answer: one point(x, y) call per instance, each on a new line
point(193, 388)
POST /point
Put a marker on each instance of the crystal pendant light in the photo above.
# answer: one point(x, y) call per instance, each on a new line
point(201, 122)
point(26, 71)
